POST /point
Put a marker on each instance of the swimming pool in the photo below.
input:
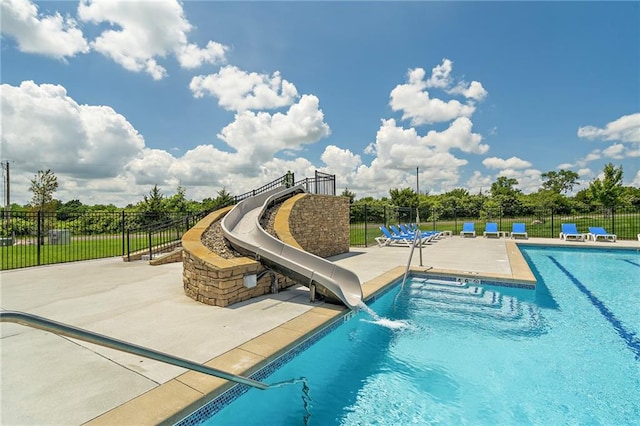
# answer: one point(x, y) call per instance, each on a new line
point(566, 353)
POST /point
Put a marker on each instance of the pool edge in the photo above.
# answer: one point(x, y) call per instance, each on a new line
point(172, 401)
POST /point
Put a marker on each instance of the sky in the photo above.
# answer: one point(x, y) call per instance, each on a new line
point(118, 96)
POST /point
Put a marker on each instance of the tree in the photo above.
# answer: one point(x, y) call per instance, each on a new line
point(559, 182)
point(608, 190)
point(349, 194)
point(505, 197)
point(153, 205)
point(43, 185)
point(406, 197)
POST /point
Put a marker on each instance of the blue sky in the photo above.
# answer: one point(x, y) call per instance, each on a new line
point(116, 97)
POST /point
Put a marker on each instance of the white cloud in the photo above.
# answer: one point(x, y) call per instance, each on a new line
point(256, 137)
point(341, 162)
point(636, 180)
point(46, 128)
point(615, 151)
point(624, 129)
point(509, 163)
point(416, 104)
point(238, 90)
point(143, 31)
point(479, 183)
point(473, 91)
point(54, 35)
point(440, 75)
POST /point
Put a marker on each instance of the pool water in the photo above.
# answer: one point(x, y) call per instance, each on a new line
point(565, 353)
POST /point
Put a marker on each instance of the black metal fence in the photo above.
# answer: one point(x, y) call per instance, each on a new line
point(543, 223)
point(42, 238)
point(321, 183)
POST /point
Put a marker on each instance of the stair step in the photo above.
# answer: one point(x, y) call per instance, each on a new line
point(427, 286)
point(486, 298)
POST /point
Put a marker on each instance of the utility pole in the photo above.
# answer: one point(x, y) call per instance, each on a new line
point(7, 194)
point(418, 192)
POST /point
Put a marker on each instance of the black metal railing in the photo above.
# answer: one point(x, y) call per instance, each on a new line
point(43, 238)
point(34, 238)
point(541, 223)
point(321, 183)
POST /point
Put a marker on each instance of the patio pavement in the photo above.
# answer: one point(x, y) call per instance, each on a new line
point(46, 379)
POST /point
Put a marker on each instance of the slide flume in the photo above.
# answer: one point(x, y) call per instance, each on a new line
point(241, 226)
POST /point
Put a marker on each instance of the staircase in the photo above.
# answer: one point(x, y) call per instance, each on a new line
point(471, 305)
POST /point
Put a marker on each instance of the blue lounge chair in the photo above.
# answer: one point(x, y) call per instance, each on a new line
point(491, 229)
point(414, 228)
point(400, 233)
point(570, 232)
point(519, 229)
point(389, 239)
point(468, 228)
point(410, 233)
point(596, 232)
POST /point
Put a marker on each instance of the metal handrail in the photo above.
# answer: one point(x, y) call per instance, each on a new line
point(41, 323)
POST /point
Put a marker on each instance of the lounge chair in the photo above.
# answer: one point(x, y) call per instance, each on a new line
point(491, 229)
point(400, 233)
point(468, 228)
point(389, 239)
point(519, 229)
point(410, 233)
point(570, 232)
point(596, 232)
point(413, 227)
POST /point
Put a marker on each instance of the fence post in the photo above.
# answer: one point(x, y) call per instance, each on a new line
point(455, 221)
point(150, 247)
point(365, 226)
point(39, 236)
point(123, 230)
point(551, 236)
point(613, 219)
point(128, 246)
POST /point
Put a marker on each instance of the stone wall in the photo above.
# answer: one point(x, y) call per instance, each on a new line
point(318, 224)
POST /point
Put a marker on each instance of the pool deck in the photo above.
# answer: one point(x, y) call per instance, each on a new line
point(49, 379)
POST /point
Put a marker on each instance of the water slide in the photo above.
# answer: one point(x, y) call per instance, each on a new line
point(241, 226)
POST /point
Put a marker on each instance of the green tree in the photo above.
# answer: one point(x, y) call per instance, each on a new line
point(505, 197)
point(406, 197)
point(153, 206)
point(223, 199)
point(178, 202)
point(560, 182)
point(43, 185)
point(349, 194)
point(607, 191)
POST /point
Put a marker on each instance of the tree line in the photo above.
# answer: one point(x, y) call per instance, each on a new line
point(503, 198)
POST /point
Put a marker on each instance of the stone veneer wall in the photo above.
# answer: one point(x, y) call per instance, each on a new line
point(318, 224)
point(302, 221)
point(214, 280)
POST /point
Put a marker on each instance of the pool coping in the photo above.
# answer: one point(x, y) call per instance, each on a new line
point(176, 399)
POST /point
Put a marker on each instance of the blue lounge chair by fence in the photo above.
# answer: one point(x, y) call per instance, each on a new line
point(570, 232)
point(596, 232)
point(389, 239)
point(519, 229)
point(491, 229)
point(410, 233)
point(468, 229)
point(414, 228)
